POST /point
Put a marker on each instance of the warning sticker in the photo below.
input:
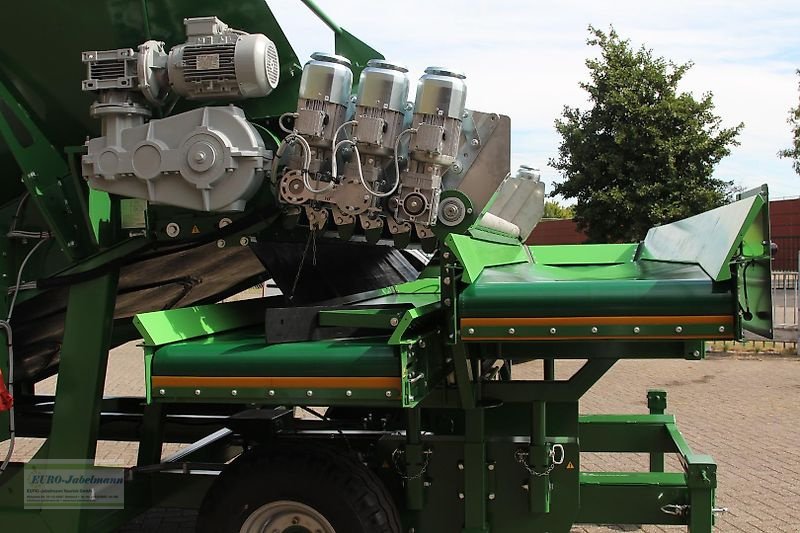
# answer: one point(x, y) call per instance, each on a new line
point(570, 466)
point(195, 229)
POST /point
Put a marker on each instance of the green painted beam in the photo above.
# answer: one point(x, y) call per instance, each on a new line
point(631, 498)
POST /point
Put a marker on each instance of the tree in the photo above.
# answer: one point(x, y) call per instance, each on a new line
point(553, 209)
point(794, 151)
point(644, 153)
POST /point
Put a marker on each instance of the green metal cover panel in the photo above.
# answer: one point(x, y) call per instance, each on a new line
point(239, 354)
point(475, 254)
point(709, 239)
point(164, 327)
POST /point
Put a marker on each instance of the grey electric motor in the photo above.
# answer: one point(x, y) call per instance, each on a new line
point(208, 159)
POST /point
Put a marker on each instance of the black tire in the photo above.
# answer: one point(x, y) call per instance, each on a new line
point(332, 482)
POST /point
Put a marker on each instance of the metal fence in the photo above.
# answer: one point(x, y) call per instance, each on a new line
point(785, 292)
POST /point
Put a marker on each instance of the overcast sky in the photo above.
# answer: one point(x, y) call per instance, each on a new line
point(525, 59)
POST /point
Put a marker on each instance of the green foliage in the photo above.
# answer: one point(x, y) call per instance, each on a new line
point(553, 209)
point(644, 153)
point(794, 151)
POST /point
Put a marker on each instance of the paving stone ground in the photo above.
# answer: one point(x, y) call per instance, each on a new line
point(742, 411)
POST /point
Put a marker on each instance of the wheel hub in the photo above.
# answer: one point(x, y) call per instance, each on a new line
point(286, 516)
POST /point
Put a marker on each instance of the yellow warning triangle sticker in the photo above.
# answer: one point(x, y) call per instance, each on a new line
point(570, 466)
point(195, 229)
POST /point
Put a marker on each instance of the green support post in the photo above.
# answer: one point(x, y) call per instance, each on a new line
point(657, 404)
point(152, 440)
point(549, 369)
point(415, 464)
point(539, 452)
point(701, 477)
point(81, 378)
point(475, 497)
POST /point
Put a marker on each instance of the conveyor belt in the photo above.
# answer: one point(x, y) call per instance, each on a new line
point(643, 288)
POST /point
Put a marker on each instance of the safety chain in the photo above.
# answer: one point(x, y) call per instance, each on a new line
point(522, 458)
point(396, 461)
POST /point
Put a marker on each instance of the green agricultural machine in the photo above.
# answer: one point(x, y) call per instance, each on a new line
point(164, 155)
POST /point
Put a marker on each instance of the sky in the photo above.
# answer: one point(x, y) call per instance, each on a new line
point(526, 59)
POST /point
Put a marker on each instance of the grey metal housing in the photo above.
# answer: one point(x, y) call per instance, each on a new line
point(207, 159)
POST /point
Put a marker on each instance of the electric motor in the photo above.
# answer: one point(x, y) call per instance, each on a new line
point(324, 92)
point(380, 106)
point(220, 62)
point(438, 111)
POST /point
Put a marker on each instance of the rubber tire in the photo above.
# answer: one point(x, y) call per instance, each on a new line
point(337, 485)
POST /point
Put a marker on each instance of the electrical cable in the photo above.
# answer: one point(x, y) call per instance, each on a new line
point(335, 147)
point(19, 211)
point(396, 167)
point(6, 325)
point(280, 121)
point(12, 430)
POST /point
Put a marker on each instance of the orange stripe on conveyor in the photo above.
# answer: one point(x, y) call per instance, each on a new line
point(281, 382)
point(676, 337)
point(600, 321)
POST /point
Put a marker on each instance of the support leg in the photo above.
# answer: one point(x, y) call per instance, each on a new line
point(657, 404)
point(81, 378)
point(475, 496)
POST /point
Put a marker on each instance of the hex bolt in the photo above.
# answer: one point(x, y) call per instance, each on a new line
point(446, 281)
point(244, 241)
point(394, 321)
point(310, 393)
point(348, 393)
point(594, 329)
point(461, 465)
point(271, 392)
point(172, 230)
point(471, 331)
point(490, 466)
point(722, 329)
point(636, 329)
point(678, 329)
point(446, 255)
point(552, 331)
point(511, 331)
point(162, 392)
point(234, 392)
point(447, 302)
point(426, 483)
point(221, 243)
point(388, 394)
point(696, 353)
point(491, 496)
point(460, 495)
point(197, 392)
point(475, 142)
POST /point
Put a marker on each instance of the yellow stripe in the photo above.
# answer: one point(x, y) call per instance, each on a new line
point(281, 382)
